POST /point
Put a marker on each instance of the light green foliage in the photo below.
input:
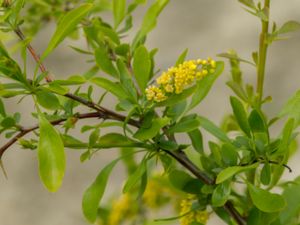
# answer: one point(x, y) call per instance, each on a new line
point(51, 155)
point(233, 170)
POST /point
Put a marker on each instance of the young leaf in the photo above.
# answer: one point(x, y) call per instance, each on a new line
point(149, 21)
point(231, 171)
point(205, 84)
point(182, 57)
point(114, 88)
point(141, 66)
point(135, 176)
point(240, 115)
point(286, 136)
point(213, 129)
point(185, 125)
point(150, 132)
point(292, 108)
point(51, 155)
point(66, 25)
point(221, 194)
point(265, 200)
point(93, 195)
point(105, 63)
point(47, 100)
point(289, 26)
point(119, 10)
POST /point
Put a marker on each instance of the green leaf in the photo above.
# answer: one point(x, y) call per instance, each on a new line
point(2, 108)
point(231, 171)
point(126, 80)
point(51, 155)
point(289, 26)
point(205, 84)
point(186, 124)
point(197, 140)
point(66, 25)
point(256, 121)
point(8, 122)
point(265, 175)
point(141, 66)
point(221, 194)
point(149, 21)
point(182, 57)
point(114, 88)
point(113, 140)
point(150, 132)
point(287, 131)
point(292, 196)
point(72, 80)
point(249, 3)
point(184, 182)
point(292, 108)
point(265, 200)
point(93, 195)
point(176, 98)
point(105, 63)
point(229, 154)
point(48, 100)
point(136, 176)
point(240, 115)
point(213, 129)
point(119, 10)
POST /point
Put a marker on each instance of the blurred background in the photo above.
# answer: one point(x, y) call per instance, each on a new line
point(206, 28)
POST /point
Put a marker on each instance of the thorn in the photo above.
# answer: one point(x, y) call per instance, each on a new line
point(3, 169)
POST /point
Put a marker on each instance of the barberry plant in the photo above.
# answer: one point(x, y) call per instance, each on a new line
point(233, 174)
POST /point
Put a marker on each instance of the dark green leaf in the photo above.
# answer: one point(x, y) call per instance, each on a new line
point(240, 115)
point(256, 122)
point(229, 154)
point(8, 122)
point(221, 194)
point(265, 175)
point(197, 140)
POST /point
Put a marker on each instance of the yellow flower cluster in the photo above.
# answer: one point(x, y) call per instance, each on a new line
point(188, 215)
point(156, 194)
point(121, 208)
point(176, 79)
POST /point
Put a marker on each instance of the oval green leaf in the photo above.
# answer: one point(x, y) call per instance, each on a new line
point(51, 155)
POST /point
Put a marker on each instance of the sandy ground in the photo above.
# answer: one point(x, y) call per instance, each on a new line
point(206, 27)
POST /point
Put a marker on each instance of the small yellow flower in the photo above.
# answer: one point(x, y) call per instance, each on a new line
point(176, 79)
point(188, 215)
